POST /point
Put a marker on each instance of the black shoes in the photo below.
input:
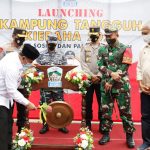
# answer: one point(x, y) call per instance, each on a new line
point(105, 139)
point(44, 129)
point(63, 130)
point(129, 140)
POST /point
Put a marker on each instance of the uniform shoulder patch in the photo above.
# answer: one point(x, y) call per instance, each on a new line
point(1, 49)
point(127, 56)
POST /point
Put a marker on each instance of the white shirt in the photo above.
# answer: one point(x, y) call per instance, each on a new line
point(143, 67)
point(10, 78)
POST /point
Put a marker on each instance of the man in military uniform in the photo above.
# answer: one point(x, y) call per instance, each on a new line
point(51, 57)
point(18, 38)
point(113, 61)
point(88, 55)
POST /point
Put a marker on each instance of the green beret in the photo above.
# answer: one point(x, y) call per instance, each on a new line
point(109, 31)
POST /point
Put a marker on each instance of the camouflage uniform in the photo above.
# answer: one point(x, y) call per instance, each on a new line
point(48, 95)
point(111, 59)
point(51, 58)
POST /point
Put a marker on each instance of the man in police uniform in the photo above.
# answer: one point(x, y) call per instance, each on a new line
point(113, 61)
point(18, 38)
point(88, 55)
point(51, 57)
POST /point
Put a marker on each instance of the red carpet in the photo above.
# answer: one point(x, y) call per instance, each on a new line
point(75, 101)
point(54, 137)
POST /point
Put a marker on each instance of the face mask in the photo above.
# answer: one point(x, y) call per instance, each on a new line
point(26, 66)
point(146, 38)
point(51, 46)
point(110, 41)
point(94, 38)
point(19, 41)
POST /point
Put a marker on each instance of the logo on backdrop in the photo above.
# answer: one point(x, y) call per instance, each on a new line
point(69, 3)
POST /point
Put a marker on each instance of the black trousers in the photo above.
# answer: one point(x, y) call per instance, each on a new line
point(21, 116)
point(89, 101)
point(6, 123)
point(21, 111)
point(145, 111)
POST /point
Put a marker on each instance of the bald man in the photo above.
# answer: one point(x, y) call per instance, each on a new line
point(143, 77)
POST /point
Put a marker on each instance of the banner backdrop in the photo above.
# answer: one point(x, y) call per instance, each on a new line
point(70, 19)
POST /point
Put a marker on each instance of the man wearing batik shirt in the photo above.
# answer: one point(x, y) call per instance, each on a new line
point(143, 77)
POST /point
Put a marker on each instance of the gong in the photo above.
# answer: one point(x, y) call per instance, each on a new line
point(61, 115)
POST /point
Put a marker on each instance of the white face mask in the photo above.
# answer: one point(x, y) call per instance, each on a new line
point(26, 66)
point(146, 38)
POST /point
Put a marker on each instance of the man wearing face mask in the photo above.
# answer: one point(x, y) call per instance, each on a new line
point(51, 57)
point(88, 57)
point(18, 38)
point(72, 60)
point(113, 61)
point(11, 69)
point(143, 77)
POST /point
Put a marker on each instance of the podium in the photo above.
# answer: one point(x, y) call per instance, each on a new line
point(65, 85)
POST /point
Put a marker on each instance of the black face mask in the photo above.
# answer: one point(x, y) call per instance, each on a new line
point(19, 40)
point(110, 41)
point(51, 46)
point(94, 38)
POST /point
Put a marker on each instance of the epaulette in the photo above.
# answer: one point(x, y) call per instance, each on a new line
point(127, 56)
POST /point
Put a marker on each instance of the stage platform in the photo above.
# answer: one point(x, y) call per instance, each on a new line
point(65, 141)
